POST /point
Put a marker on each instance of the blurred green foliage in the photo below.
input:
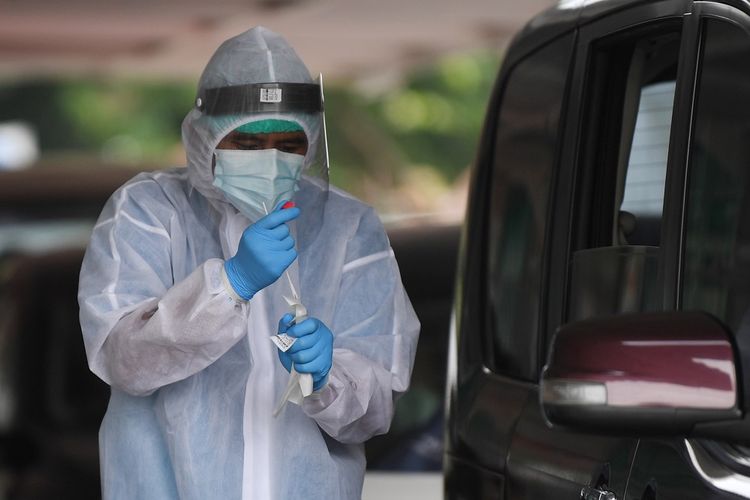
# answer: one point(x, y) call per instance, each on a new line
point(113, 121)
point(437, 116)
point(431, 120)
point(122, 118)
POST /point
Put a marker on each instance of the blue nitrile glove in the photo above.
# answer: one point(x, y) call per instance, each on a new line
point(266, 249)
point(312, 352)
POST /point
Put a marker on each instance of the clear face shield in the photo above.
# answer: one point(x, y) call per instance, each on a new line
point(273, 147)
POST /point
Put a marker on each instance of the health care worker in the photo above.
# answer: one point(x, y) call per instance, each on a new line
point(180, 291)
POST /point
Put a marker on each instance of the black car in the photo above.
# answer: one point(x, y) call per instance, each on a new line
point(600, 346)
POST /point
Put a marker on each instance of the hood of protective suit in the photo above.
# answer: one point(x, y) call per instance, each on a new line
point(256, 56)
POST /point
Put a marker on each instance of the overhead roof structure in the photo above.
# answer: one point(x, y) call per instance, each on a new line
point(344, 39)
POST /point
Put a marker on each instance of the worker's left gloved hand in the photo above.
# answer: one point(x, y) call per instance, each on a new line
point(312, 352)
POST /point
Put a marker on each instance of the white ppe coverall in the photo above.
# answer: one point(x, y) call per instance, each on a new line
point(193, 375)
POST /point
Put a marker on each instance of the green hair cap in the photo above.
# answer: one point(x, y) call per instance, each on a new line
point(269, 126)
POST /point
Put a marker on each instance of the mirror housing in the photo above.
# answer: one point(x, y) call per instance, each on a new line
point(654, 373)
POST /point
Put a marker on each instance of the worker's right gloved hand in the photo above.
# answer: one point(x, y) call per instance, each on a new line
point(266, 249)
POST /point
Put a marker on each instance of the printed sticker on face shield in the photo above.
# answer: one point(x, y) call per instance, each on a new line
point(270, 95)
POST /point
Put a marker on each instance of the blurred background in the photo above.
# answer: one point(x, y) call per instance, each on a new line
point(93, 91)
point(103, 83)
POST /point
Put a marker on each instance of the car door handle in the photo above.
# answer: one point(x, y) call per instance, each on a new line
point(588, 493)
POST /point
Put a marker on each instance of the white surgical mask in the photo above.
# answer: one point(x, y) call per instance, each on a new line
point(252, 178)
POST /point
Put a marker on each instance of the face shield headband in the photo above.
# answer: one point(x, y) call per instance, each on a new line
point(259, 98)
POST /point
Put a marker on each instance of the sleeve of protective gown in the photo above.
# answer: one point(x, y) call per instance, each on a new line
point(141, 330)
point(375, 341)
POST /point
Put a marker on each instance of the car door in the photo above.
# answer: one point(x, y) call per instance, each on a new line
point(565, 223)
point(501, 279)
point(605, 242)
point(710, 186)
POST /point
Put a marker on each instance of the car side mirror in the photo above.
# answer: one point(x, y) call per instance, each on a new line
point(654, 373)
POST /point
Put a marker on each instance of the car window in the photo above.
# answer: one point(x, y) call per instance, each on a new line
point(716, 272)
point(716, 263)
point(524, 157)
point(623, 164)
point(646, 172)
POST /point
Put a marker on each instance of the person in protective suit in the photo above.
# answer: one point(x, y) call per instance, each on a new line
point(190, 272)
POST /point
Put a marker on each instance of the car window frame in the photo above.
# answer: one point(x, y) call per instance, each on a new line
point(569, 169)
point(701, 12)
